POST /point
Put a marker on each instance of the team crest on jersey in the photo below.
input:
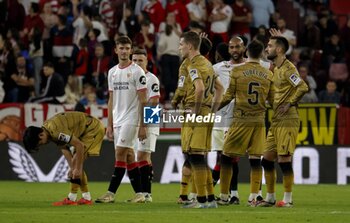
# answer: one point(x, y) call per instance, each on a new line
point(142, 80)
point(295, 79)
point(155, 88)
point(181, 81)
point(64, 137)
point(193, 74)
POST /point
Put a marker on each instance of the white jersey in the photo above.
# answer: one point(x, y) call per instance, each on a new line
point(221, 26)
point(152, 92)
point(223, 71)
point(124, 83)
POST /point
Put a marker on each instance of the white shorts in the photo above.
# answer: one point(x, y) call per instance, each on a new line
point(148, 145)
point(217, 139)
point(125, 136)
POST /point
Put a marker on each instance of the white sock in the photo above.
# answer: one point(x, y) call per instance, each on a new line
point(252, 196)
point(192, 196)
point(86, 196)
point(234, 193)
point(260, 193)
point(72, 196)
point(224, 197)
point(270, 197)
point(287, 198)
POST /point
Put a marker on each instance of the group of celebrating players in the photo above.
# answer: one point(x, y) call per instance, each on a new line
point(238, 90)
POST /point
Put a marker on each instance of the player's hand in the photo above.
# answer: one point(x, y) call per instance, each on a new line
point(203, 35)
point(76, 174)
point(109, 133)
point(282, 109)
point(142, 135)
point(275, 32)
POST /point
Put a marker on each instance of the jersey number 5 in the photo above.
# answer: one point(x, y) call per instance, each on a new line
point(253, 93)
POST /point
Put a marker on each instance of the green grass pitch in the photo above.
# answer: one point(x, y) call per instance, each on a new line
point(31, 202)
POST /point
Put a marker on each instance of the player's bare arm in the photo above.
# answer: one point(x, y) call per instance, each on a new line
point(109, 130)
point(219, 91)
point(78, 157)
point(199, 94)
point(142, 96)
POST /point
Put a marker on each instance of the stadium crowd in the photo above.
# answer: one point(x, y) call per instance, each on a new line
point(59, 51)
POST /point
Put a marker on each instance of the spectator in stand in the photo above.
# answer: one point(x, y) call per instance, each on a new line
point(327, 27)
point(288, 34)
point(72, 90)
point(346, 94)
point(92, 41)
point(2, 92)
point(220, 19)
point(142, 17)
point(168, 53)
point(180, 11)
point(197, 11)
point(103, 36)
point(82, 21)
point(81, 62)
point(274, 18)
point(32, 20)
point(7, 67)
point(50, 20)
point(171, 21)
point(333, 51)
point(310, 96)
point(24, 81)
point(53, 90)
point(330, 95)
point(311, 35)
point(221, 53)
point(345, 38)
point(108, 15)
point(36, 53)
point(13, 36)
point(156, 13)
point(15, 15)
point(261, 11)
point(90, 97)
point(262, 35)
point(145, 40)
point(241, 19)
point(100, 65)
point(129, 25)
point(62, 47)
point(54, 5)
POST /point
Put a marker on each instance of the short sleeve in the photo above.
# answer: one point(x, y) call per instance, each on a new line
point(293, 77)
point(140, 79)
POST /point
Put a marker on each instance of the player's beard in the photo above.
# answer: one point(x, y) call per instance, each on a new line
point(271, 56)
point(236, 57)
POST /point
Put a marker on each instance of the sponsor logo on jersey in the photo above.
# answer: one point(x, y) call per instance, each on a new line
point(295, 79)
point(142, 80)
point(155, 88)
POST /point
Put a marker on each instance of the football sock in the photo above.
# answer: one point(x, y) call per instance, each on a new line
point(145, 175)
point(270, 197)
point(216, 174)
point(255, 175)
point(86, 196)
point(72, 196)
point(185, 180)
point(150, 178)
point(210, 186)
point(134, 176)
point(288, 176)
point(287, 197)
point(225, 174)
point(252, 196)
point(234, 179)
point(193, 186)
point(84, 183)
point(74, 188)
point(117, 176)
point(234, 193)
point(199, 171)
point(270, 175)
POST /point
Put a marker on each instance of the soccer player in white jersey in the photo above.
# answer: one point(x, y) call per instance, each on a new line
point(147, 146)
point(127, 96)
point(222, 70)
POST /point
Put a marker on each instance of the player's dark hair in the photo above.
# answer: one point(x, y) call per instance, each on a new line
point(123, 40)
point(205, 46)
point(31, 138)
point(281, 42)
point(139, 51)
point(192, 38)
point(222, 50)
point(255, 49)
